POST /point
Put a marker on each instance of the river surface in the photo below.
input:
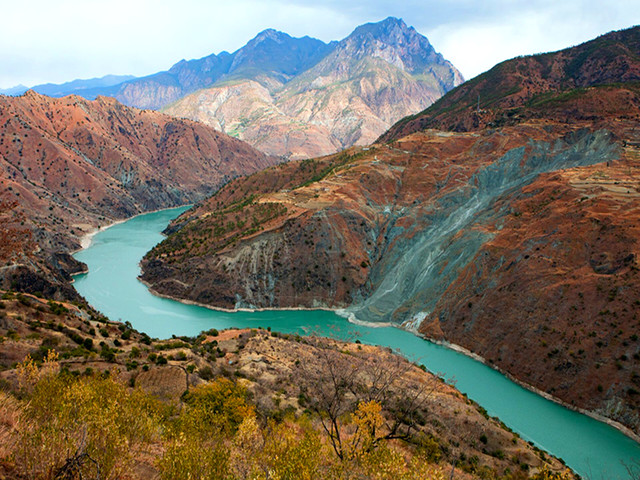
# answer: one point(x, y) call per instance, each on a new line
point(593, 449)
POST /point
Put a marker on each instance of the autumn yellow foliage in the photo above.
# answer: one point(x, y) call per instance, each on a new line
point(94, 426)
point(89, 426)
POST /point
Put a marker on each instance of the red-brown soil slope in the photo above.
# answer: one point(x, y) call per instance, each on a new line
point(69, 165)
point(520, 244)
point(565, 85)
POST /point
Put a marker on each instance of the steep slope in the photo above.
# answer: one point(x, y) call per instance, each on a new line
point(378, 74)
point(519, 243)
point(69, 165)
point(275, 369)
point(564, 85)
point(271, 57)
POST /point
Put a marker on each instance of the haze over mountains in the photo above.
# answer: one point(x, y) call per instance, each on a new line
point(295, 97)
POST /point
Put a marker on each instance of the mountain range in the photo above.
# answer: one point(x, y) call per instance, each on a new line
point(362, 84)
point(504, 218)
point(508, 227)
point(294, 97)
point(70, 165)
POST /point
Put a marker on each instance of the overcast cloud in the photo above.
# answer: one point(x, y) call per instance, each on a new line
point(56, 41)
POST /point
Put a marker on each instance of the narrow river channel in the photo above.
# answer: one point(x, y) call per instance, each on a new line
point(593, 449)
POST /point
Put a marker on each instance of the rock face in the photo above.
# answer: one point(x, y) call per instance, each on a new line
point(520, 243)
point(69, 165)
point(270, 57)
point(364, 83)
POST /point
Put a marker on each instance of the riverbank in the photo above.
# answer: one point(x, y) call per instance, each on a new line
point(596, 416)
point(86, 240)
point(231, 310)
point(452, 346)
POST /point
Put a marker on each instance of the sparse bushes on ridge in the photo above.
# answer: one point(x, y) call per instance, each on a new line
point(93, 426)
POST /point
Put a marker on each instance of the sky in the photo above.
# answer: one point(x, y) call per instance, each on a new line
point(55, 41)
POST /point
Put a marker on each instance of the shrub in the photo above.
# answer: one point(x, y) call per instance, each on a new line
point(69, 419)
point(88, 343)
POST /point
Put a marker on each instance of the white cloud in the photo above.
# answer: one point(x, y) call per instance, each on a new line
point(56, 41)
point(542, 26)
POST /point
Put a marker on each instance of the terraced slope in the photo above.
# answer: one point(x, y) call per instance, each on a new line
point(596, 79)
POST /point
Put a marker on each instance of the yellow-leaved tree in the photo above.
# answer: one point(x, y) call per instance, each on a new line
point(88, 427)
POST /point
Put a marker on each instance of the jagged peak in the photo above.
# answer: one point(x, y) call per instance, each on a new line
point(390, 26)
point(269, 34)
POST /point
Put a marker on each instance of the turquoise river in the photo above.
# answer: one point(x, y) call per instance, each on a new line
point(593, 449)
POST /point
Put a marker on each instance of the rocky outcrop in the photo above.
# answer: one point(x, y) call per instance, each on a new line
point(70, 165)
point(378, 74)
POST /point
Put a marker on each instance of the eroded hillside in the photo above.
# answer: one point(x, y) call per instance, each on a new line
point(70, 165)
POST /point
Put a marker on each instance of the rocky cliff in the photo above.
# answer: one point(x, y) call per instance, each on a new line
point(270, 57)
point(378, 74)
point(70, 165)
point(518, 242)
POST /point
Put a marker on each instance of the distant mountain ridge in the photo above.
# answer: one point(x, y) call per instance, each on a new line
point(362, 85)
point(89, 88)
point(294, 97)
point(270, 53)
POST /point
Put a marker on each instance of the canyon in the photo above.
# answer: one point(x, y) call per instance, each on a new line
point(503, 219)
point(69, 166)
point(515, 238)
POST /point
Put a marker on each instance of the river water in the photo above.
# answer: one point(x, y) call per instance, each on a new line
point(593, 449)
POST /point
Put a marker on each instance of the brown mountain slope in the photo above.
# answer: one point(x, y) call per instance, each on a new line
point(557, 85)
point(69, 165)
point(520, 244)
point(286, 376)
